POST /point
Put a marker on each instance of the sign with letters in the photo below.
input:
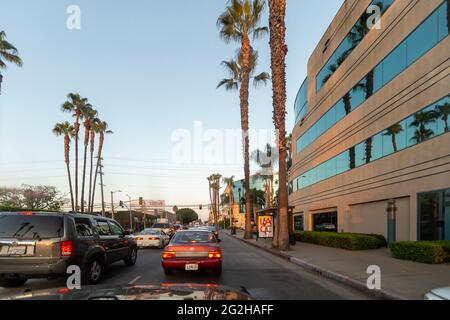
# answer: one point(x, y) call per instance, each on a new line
point(265, 227)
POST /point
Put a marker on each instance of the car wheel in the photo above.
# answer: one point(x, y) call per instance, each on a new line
point(168, 272)
point(132, 257)
point(12, 282)
point(93, 272)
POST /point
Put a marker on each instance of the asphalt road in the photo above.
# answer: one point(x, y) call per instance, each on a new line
point(263, 275)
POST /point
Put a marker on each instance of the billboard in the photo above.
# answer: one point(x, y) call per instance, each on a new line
point(265, 226)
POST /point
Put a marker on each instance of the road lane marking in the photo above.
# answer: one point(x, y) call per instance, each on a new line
point(134, 280)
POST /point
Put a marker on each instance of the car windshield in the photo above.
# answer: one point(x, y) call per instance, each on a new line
point(150, 232)
point(194, 237)
point(30, 227)
point(161, 226)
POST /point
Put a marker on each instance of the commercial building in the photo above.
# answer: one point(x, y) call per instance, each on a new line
point(371, 143)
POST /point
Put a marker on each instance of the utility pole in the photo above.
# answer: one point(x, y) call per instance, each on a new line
point(112, 205)
point(101, 188)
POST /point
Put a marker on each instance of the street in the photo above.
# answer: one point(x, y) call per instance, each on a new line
point(264, 276)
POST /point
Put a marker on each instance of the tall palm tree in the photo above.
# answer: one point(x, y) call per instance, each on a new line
point(75, 105)
point(393, 131)
point(421, 120)
point(8, 53)
point(229, 181)
point(278, 48)
point(443, 111)
point(239, 22)
point(88, 114)
point(66, 129)
point(103, 130)
point(94, 129)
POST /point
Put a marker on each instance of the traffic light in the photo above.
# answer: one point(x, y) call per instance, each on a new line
point(200, 207)
point(121, 203)
point(141, 201)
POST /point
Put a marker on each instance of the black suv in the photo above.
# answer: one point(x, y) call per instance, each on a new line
point(44, 245)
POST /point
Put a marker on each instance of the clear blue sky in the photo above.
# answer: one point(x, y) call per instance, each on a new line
point(149, 67)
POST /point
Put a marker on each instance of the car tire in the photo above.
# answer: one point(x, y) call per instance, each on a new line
point(93, 271)
point(12, 283)
point(132, 258)
point(168, 272)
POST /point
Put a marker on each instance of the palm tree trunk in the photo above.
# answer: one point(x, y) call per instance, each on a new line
point(92, 136)
point(67, 160)
point(99, 156)
point(86, 144)
point(77, 130)
point(243, 95)
point(278, 48)
point(1, 81)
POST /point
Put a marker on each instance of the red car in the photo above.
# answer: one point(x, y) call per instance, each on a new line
point(192, 250)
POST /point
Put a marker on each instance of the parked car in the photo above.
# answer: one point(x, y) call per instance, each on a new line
point(166, 227)
point(43, 245)
point(150, 238)
point(438, 294)
point(192, 250)
point(326, 227)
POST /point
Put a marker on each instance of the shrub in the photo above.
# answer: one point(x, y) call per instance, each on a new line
point(348, 241)
point(432, 252)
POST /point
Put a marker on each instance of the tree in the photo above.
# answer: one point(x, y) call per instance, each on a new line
point(266, 159)
point(278, 48)
point(32, 198)
point(66, 129)
point(186, 215)
point(421, 120)
point(238, 23)
point(89, 116)
point(393, 131)
point(103, 130)
point(8, 53)
point(75, 105)
point(214, 188)
point(443, 111)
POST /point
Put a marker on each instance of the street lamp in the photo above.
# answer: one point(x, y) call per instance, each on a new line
point(129, 208)
point(112, 202)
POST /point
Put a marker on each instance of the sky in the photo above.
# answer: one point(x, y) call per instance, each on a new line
point(150, 68)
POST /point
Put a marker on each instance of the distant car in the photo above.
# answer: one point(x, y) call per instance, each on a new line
point(43, 245)
point(150, 238)
point(438, 294)
point(192, 250)
point(166, 227)
point(326, 227)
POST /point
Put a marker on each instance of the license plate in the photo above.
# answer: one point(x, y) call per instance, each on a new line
point(17, 250)
point(191, 267)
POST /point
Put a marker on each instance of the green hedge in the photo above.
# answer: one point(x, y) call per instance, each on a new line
point(432, 252)
point(348, 241)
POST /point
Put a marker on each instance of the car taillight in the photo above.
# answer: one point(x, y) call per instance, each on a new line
point(26, 213)
point(66, 248)
point(169, 255)
point(154, 238)
point(139, 238)
point(215, 255)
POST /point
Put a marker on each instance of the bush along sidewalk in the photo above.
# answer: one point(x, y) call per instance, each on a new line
point(348, 241)
point(432, 252)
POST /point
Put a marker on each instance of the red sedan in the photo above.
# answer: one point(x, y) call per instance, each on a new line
point(192, 250)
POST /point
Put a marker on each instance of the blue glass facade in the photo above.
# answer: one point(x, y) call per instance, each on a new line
point(351, 41)
point(428, 34)
point(301, 102)
point(430, 122)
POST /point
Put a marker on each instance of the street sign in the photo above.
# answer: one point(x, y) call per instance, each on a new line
point(265, 226)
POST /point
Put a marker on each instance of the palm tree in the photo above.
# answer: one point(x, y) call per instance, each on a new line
point(88, 114)
point(443, 111)
point(238, 23)
point(278, 48)
point(266, 159)
point(94, 129)
point(102, 128)
point(214, 187)
point(75, 105)
point(229, 191)
point(393, 131)
point(66, 129)
point(8, 53)
point(421, 120)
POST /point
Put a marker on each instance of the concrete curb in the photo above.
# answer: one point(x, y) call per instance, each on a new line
point(355, 284)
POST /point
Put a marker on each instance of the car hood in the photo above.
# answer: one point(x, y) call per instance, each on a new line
point(443, 293)
point(146, 292)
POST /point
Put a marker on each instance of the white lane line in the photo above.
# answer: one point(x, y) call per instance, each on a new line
point(134, 280)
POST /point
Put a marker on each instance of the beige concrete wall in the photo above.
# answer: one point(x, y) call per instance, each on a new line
point(421, 168)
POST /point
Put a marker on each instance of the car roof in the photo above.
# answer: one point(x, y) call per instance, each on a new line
point(59, 214)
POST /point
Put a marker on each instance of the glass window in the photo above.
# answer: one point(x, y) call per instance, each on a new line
point(116, 229)
point(377, 80)
point(298, 223)
point(444, 23)
point(330, 168)
point(102, 228)
point(411, 138)
point(30, 227)
point(325, 222)
point(342, 162)
point(377, 147)
point(330, 118)
point(84, 227)
point(423, 38)
point(429, 216)
point(358, 94)
point(442, 110)
point(394, 63)
point(360, 154)
point(394, 138)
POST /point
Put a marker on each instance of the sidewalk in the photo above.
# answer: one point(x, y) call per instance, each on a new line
point(399, 279)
